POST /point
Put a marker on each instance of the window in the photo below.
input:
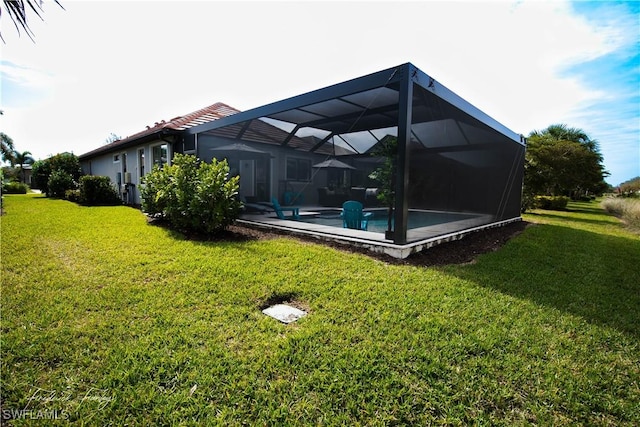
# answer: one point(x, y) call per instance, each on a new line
point(141, 162)
point(189, 145)
point(298, 169)
point(159, 155)
point(116, 158)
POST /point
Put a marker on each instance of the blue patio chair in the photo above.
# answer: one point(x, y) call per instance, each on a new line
point(295, 211)
point(353, 217)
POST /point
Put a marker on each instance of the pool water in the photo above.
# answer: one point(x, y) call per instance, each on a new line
point(378, 223)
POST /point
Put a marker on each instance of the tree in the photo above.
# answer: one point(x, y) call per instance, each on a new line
point(6, 148)
point(561, 132)
point(630, 187)
point(18, 9)
point(58, 183)
point(112, 138)
point(40, 173)
point(68, 163)
point(22, 159)
point(563, 161)
point(10, 174)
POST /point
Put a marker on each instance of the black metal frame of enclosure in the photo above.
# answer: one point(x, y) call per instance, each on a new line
point(420, 110)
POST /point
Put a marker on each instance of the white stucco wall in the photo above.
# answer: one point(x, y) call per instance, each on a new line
point(106, 165)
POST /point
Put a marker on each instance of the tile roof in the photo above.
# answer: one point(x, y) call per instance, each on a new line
point(204, 115)
point(255, 131)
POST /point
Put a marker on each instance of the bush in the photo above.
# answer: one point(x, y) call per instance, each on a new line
point(43, 169)
point(554, 203)
point(626, 208)
point(15, 188)
point(58, 184)
point(193, 196)
point(40, 173)
point(72, 196)
point(98, 191)
point(528, 202)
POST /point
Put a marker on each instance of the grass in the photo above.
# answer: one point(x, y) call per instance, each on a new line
point(109, 321)
point(626, 208)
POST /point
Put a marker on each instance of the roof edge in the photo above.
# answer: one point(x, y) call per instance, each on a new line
point(128, 142)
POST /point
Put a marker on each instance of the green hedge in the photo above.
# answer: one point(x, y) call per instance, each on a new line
point(15, 188)
point(98, 191)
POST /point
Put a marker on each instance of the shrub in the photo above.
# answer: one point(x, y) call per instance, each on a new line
point(528, 202)
point(614, 205)
point(155, 192)
point(58, 184)
point(42, 170)
point(15, 188)
point(193, 196)
point(626, 208)
point(72, 196)
point(98, 191)
point(554, 203)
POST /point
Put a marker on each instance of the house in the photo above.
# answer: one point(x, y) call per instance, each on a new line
point(318, 149)
point(127, 160)
point(26, 171)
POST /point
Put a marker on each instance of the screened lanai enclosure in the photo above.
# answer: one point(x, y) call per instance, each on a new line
point(443, 165)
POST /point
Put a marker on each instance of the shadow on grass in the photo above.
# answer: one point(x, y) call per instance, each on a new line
point(556, 216)
point(587, 274)
point(588, 208)
point(231, 234)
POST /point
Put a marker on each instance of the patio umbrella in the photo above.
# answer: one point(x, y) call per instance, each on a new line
point(334, 164)
point(241, 150)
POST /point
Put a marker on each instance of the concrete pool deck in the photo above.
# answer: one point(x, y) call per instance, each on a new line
point(421, 238)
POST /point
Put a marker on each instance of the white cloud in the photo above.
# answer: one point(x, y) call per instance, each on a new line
point(24, 76)
point(118, 66)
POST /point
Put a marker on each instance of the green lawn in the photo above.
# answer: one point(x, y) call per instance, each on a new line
point(109, 321)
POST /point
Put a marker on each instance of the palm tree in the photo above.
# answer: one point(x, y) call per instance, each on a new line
point(561, 132)
point(563, 161)
point(18, 9)
point(6, 148)
point(22, 159)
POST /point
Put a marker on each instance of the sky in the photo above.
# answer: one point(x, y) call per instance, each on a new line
point(102, 67)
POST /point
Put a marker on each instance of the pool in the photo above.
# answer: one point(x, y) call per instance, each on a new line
point(378, 223)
